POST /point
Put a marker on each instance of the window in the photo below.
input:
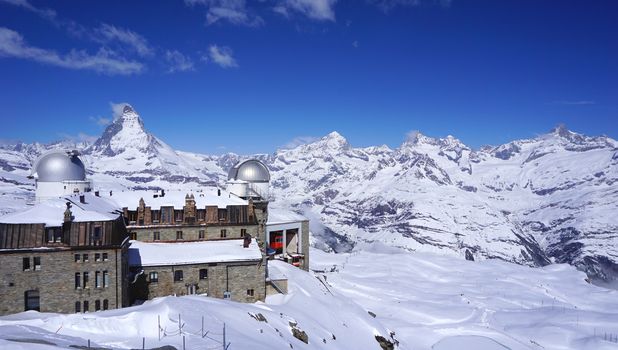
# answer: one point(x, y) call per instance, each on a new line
point(97, 305)
point(134, 236)
point(26, 264)
point(97, 279)
point(97, 234)
point(105, 304)
point(97, 257)
point(86, 277)
point(202, 234)
point(104, 256)
point(178, 215)
point(243, 232)
point(86, 306)
point(201, 214)
point(166, 214)
point(132, 216)
point(177, 275)
point(153, 277)
point(54, 234)
point(37, 263)
point(78, 280)
point(203, 274)
point(78, 307)
point(250, 292)
point(31, 300)
point(78, 258)
point(223, 233)
point(222, 215)
point(178, 234)
point(155, 216)
point(85, 257)
point(105, 279)
point(156, 236)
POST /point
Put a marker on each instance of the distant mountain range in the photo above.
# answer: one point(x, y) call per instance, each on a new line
point(548, 199)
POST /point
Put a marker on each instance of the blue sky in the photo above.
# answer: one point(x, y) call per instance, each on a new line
point(213, 76)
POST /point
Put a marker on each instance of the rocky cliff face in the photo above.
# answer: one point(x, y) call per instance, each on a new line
point(548, 199)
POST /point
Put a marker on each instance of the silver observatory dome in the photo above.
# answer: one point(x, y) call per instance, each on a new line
point(58, 166)
point(251, 170)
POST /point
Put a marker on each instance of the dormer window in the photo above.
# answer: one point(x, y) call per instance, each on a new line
point(54, 234)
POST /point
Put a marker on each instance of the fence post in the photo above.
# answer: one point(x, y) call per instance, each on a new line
point(159, 324)
point(223, 335)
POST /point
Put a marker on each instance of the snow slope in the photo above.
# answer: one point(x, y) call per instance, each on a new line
point(440, 302)
point(429, 301)
point(328, 319)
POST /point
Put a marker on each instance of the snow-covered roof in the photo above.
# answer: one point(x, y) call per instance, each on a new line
point(275, 270)
point(51, 212)
point(204, 197)
point(184, 253)
point(282, 216)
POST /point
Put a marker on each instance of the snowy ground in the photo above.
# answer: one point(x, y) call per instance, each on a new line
point(430, 302)
point(440, 302)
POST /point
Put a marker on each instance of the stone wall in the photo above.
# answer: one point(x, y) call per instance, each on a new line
point(55, 279)
point(191, 233)
point(238, 278)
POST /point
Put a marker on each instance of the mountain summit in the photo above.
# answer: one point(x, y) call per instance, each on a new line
point(125, 133)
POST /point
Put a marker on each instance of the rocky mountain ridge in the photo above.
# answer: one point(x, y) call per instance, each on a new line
point(547, 199)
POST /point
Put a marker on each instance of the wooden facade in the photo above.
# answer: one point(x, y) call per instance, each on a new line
point(70, 234)
point(190, 215)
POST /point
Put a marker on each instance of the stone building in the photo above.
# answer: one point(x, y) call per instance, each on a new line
point(85, 252)
point(231, 269)
point(64, 255)
point(175, 216)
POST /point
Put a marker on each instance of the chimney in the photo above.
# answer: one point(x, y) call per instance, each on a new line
point(68, 216)
point(218, 192)
point(110, 193)
point(82, 199)
point(96, 193)
point(162, 193)
point(247, 241)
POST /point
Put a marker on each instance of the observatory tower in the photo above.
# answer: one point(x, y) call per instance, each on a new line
point(58, 173)
point(249, 180)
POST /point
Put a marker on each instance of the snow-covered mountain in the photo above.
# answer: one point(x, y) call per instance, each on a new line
point(550, 198)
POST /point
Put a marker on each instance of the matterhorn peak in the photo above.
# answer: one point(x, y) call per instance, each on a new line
point(561, 130)
point(127, 109)
point(415, 138)
point(126, 132)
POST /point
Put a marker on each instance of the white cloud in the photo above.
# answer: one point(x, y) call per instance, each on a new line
point(117, 109)
point(105, 61)
point(574, 103)
point(387, 5)
point(322, 10)
point(107, 33)
point(43, 12)
point(299, 141)
point(222, 55)
point(100, 121)
point(232, 11)
point(178, 62)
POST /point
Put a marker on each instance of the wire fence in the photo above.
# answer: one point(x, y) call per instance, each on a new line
point(178, 328)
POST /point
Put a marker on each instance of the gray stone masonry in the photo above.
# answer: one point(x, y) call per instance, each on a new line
point(239, 278)
point(55, 279)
